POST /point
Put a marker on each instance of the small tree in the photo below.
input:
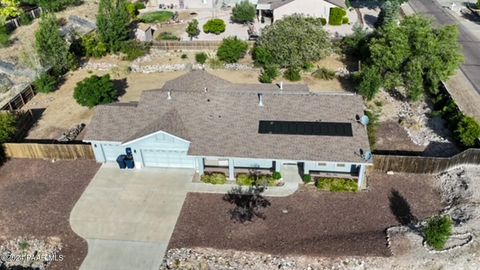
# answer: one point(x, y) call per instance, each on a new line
point(214, 26)
point(8, 126)
point(232, 49)
point(243, 12)
point(95, 90)
point(51, 48)
point(371, 81)
point(468, 131)
point(192, 29)
point(437, 231)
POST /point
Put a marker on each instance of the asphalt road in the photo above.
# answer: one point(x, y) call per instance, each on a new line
point(471, 44)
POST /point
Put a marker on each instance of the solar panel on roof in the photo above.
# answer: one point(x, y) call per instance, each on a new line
point(305, 128)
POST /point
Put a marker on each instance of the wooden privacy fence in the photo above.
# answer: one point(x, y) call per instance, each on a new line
point(409, 164)
point(19, 100)
point(49, 151)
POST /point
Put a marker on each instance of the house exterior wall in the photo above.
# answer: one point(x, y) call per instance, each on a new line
point(339, 167)
point(313, 8)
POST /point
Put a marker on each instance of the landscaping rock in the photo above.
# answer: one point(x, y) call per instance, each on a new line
point(30, 252)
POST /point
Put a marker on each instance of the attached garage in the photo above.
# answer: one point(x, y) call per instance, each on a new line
point(166, 158)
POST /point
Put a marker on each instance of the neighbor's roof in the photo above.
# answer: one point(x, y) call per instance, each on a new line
point(225, 124)
point(198, 80)
point(278, 3)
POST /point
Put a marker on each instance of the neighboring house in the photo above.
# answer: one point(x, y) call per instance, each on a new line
point(201, 122)
point(144, 32)
point(271, 10)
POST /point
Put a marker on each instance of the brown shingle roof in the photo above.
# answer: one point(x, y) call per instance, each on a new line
point(225, 124)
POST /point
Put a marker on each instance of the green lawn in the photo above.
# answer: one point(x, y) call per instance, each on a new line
point(157, 16)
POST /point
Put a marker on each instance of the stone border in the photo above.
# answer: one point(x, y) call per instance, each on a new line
point(455, 247)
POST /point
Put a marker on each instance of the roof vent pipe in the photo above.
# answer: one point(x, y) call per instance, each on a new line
point(281, 85)
point(260, 100)
point(169, 94)
point(205, 89)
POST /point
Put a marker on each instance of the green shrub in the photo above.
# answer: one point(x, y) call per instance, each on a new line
point(269, 73)
point(8, 126)
point(201, 57)
point(134, 49)
point(292, 74)
point(25, 19)
point(262, 56)
point(345, 20)
point(324, 74)
point(468, 131)
point(214, 26)
point(192, 29)
point(232, 49)
point(184, 56)
point(157, 16)
point(478, 4)
point(4, 36)
point(243, 12)
point(277, 175)
point(437, 231)
point(245, 180)
point(95, 90)
point(336, 16)
point(214, 178)
point(307, 178)
point(166, 36)
point(215, 63)
point(46, 83)
point(324, 21)
point(93, 46)
point(337, 185)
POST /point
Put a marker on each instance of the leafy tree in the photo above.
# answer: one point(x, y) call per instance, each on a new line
point(9, 8)
point(46, 83)
point(192, 29)
point(468, 131)
point(113, 23)
point(51, 48)
point(413, 55)
point(8, 126)
point(389, 13)
point(243, 12)
point(293, 41)
point(214, 26)
point(232, 49)
point(370, 83)
point(437, 231)
point(95, 90)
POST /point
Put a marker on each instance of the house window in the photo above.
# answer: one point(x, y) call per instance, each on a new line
point(340, 165)
point(322, 164)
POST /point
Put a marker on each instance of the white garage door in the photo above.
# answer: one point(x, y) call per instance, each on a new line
point(164, 158)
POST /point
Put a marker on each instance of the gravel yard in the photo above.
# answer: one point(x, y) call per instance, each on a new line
point(317, 223)
point(36, 198)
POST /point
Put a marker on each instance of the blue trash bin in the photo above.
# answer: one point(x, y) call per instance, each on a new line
point(130, 163)
point(121, 161)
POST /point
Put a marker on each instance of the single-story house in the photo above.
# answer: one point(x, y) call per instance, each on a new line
point(144, 32)
point(200, 121)
point(271, 10)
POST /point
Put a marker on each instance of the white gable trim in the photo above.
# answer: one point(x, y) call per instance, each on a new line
point(100, 141)
point(152, 134)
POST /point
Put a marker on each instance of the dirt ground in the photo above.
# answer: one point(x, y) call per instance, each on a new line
point(36, 198)
point(58, 111)
point(23, 37)
point(317, 223)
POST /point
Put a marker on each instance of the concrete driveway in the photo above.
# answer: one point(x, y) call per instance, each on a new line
point(128, 216)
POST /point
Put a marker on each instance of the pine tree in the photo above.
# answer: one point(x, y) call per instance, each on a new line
point(390, 12)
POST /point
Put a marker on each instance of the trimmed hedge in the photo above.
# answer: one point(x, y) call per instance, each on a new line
point(336, 16)
point(214, 26)
point(201, 57)
point(337, 185)
point(345, 20)
point(214, 178)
